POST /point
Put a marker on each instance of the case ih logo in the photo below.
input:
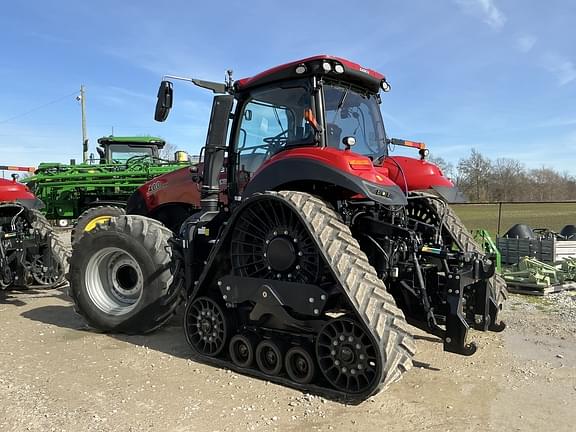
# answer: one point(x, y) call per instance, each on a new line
point(155, 187)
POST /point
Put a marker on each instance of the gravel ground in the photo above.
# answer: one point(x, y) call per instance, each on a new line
point(57, 375)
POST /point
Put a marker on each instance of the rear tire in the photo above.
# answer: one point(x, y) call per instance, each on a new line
point(121, 276)
point(51, 274)
point(88, 220)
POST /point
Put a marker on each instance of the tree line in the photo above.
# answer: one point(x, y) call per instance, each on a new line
point(504, 179)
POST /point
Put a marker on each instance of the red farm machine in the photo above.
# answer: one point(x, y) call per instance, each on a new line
point(301, 247)
point(31, 255)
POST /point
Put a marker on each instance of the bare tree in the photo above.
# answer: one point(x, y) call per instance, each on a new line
point(168, 151)
point(474, 175)
point(506, 180)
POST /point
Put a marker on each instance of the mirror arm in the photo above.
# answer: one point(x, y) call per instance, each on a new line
point(214, 86)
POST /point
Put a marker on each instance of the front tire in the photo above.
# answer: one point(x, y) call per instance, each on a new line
point(121, 276)
point(92, 217)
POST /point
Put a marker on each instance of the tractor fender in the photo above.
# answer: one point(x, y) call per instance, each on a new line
point(285, 172)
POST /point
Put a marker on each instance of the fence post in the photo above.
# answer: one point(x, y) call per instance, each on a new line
point(499, 218)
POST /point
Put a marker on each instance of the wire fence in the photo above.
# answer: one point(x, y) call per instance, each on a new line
point(498, 217)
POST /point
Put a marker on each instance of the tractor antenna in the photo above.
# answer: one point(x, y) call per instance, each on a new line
point(229, 81)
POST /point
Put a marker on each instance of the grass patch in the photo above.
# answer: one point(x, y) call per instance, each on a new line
point(536, 215)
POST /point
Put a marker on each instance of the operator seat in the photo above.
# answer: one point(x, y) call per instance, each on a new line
point(333, 132)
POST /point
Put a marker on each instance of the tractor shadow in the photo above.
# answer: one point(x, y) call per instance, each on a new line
point(19, 297)
point(169, 339)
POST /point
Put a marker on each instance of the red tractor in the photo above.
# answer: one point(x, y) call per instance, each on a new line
point(31, 255)
point(301, 247)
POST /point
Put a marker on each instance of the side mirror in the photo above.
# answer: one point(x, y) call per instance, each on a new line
point(164, 102)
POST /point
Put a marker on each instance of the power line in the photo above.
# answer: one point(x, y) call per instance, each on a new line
point(38, 107)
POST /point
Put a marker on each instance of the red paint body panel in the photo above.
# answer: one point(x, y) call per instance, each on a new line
point(11, 190)
point(245, 82)
point(338, 159)
point(420, 174)
point(173, 187)
point(178, 186)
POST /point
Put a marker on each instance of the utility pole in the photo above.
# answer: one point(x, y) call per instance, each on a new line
point(82, 100)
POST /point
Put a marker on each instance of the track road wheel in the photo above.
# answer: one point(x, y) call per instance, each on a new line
point(122, 276)
point(51, 265)
point(269, 357)
point(241, 350)
point(88, 220)
point(206, 326)
point(300, 365)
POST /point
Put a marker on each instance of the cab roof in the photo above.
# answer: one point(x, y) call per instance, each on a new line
point(321, 65)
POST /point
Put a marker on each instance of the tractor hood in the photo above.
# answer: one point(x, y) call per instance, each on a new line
point(412, 174)
point(13, 191)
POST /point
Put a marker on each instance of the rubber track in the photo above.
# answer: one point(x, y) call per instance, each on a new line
point(365, 291)
point(59, 249)
point(465, 242)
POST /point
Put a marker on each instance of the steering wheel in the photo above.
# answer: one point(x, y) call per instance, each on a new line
point(276, 142)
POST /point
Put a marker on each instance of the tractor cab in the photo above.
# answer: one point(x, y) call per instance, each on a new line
point(314, 122)
point(320, 101)
point(115, 150)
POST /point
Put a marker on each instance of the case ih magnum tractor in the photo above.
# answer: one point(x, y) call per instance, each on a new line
point(31, 255)
point(308, 247)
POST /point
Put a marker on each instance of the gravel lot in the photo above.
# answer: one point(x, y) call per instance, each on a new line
point(57, 375)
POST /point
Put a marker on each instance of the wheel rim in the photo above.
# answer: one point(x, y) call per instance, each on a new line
point(206, 326)
point(45, 274)
point(300, 365)
point(114, 281)
point(269, 358)
point(241, 351)
point(270, 242)
point(96, 221)
point(347, 357)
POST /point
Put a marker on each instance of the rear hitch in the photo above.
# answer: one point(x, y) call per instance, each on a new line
point(456, 325)
point(472, 280)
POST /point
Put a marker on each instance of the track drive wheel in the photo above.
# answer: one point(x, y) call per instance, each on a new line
point(88, 220)
point(123, 278)
point(347, 357)
point(206, 326)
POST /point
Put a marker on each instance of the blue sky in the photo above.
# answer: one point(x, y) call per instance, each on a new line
point(495, 75)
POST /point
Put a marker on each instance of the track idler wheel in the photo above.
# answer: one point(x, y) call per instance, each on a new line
point(241, 350)
point(300, 365)
point(269, 357)
point(347, 357)
point(206, 326)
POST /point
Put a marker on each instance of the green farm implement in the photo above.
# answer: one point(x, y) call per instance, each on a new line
point(95, 191)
